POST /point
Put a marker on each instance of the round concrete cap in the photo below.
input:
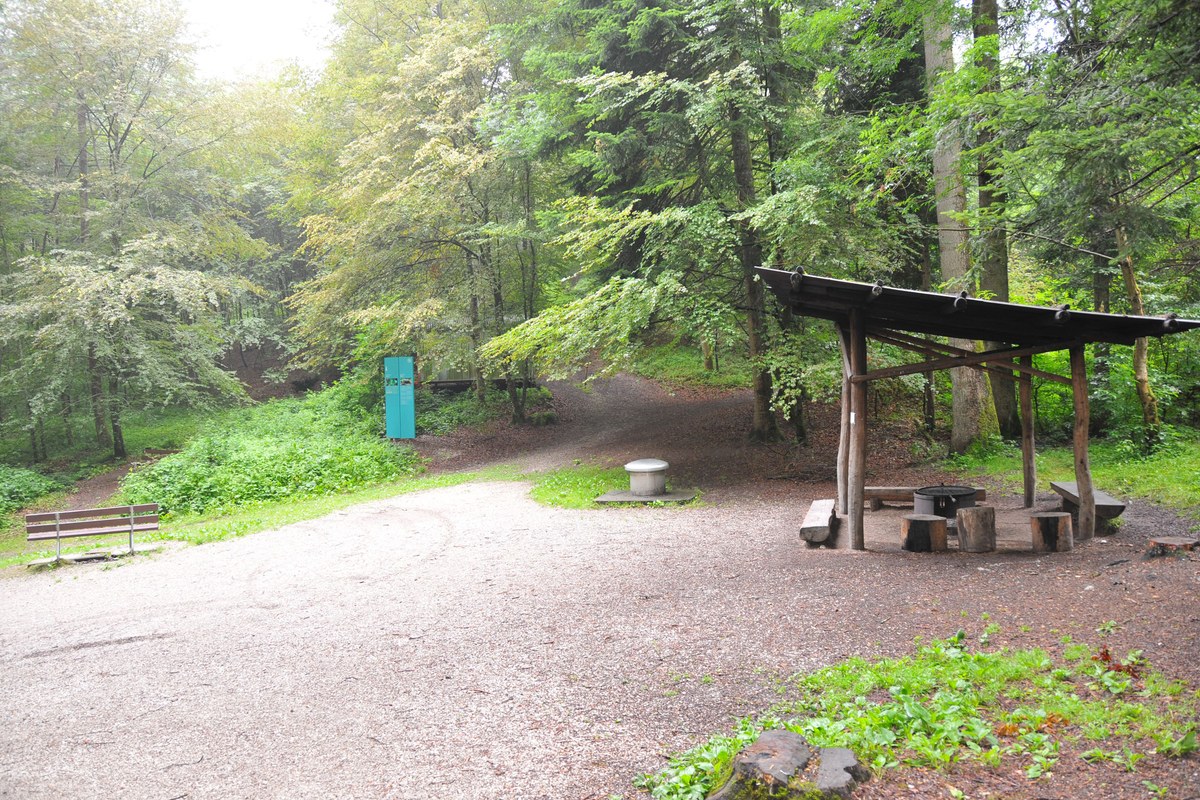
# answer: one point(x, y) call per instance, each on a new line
point(647, 465)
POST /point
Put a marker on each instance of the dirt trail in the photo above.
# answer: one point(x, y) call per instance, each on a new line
point(467, 643)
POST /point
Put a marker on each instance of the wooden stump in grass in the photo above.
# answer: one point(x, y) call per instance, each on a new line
point(923, 533)
point(1051, 532)
point(977, 529)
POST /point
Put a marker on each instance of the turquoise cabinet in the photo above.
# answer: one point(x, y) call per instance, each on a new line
point(398, 401)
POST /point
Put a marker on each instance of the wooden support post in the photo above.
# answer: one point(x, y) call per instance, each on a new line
point(1028, 466)
point(1051, 532)
point(977, 529)
point(923, 533)
point(857, 470)
point(843, 453)
point(1083, 470)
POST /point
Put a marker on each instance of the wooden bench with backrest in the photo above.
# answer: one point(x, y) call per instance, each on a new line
point(59, 525)
point(1107, 507)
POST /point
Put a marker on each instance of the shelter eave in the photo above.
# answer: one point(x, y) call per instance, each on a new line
point(959, 316)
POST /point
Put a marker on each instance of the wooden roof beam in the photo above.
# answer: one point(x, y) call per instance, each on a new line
point(960, 358)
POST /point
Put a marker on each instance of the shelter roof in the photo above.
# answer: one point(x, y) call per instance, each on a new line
point(959, 316)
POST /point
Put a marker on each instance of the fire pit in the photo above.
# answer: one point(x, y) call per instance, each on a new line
point(943, 500)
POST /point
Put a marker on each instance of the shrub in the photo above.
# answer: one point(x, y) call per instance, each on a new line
point(321, 444)
point(18, 487)
point(441, 413)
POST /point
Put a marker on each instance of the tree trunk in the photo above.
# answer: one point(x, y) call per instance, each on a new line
point(476, 333)
point(81, 122)
point(1151, 422)
point(114, 415)
point(970, 411)
point(764, 428)
point(96, 387)
point(1101, 351)
point(65, 410)
point(993, 267)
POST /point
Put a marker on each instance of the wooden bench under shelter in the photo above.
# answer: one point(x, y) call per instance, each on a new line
point(58, 525)
point(1107, 507)
point(943, 330)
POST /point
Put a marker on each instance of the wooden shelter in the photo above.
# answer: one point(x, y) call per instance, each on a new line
point(892, 316)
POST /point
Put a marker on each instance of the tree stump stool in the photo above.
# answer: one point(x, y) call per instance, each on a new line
point(1051, 532)
point(1170, 546)
point(923, 533)
point(977, 529)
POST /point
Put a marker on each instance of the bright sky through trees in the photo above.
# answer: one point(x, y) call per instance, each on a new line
point(253, 38)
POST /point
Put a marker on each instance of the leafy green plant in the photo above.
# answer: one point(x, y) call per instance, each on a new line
point(946, 703)
point(18, 487)
point(321, 444)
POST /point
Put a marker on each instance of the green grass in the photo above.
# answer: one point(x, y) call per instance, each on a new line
point(948, 703)
point(1170, 475)
point(681, 365)
point(577, 486)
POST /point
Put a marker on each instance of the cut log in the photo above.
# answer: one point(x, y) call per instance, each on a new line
point(1170, 546)
point(923, 533)
point(1051, 532)
point(977, 529)
point(820, 523)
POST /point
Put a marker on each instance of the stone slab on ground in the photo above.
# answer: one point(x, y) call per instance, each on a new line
point(99, 554)
point(626, 496)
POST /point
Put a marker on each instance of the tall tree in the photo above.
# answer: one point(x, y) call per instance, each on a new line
point(993, 239)
point(969, 412)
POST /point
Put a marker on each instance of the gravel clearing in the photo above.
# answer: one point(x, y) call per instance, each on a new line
point(468, 643)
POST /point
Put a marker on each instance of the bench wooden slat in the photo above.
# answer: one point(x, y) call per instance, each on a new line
point(42, 537)
point(116, 525)
point(84, 513)
point(1107, 506)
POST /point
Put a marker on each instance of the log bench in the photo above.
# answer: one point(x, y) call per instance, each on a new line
point(1107, 507)
point(878, 495)
point(820, 524)
point(59, 525)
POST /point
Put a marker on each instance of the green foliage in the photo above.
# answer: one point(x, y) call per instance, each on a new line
point(439, 413)
point(947, 703)
point(1168, 475)
point(681, 365)
point(322, 444)
point(20, 486)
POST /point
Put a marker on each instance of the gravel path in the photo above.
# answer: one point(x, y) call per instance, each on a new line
point(468, 643)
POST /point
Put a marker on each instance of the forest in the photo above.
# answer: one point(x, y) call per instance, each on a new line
point(525, 189)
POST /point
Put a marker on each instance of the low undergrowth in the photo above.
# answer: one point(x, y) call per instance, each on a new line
point(680, 365)
point(1170, 474)
point(18, 487)
point(284, 449)
point(948, 703)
